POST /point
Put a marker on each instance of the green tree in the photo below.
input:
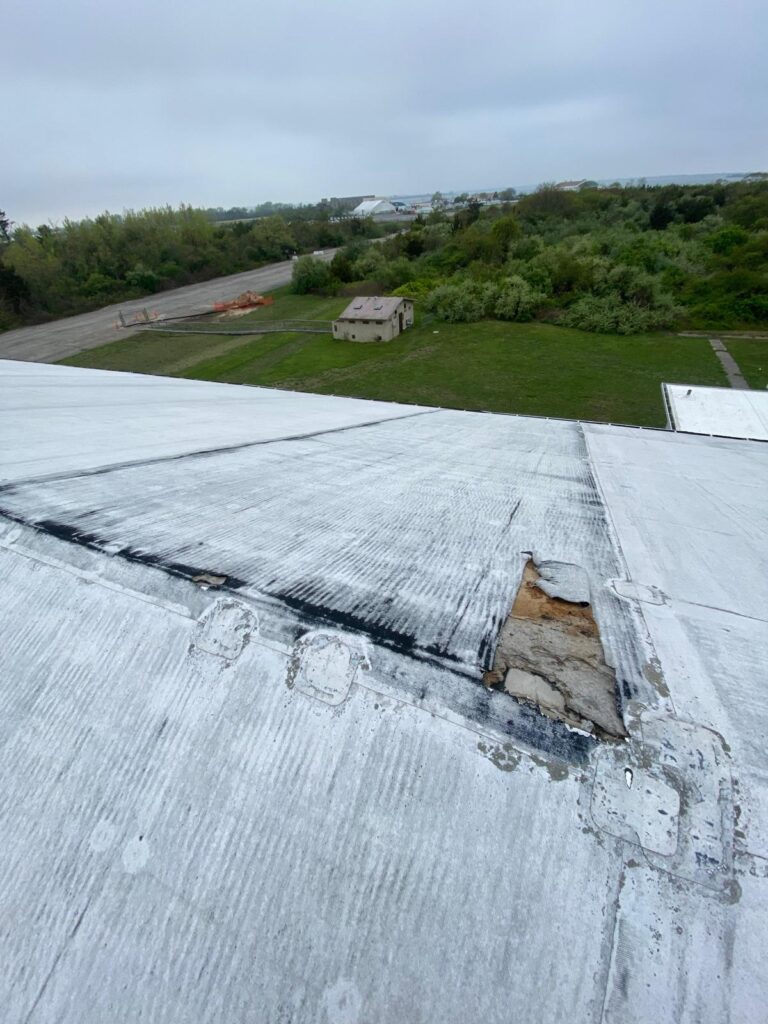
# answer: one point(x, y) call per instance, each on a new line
point(143, 279)
point(517, 300)
point(369, 265)
point(270, 239)
point(310, 275)
point(661, 216)
point(728, 238)
point(548, 201)
point(5, 227)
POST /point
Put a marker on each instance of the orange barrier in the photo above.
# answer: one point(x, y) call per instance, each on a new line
point(248, 300)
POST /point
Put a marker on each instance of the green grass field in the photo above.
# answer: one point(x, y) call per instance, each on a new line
point(752, 357)
point(535, 369)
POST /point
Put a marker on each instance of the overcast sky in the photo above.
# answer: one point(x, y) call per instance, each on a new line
point(116, 105)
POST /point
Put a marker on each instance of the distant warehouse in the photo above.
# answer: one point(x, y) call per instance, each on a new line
point(373, 207)
point(370, 318)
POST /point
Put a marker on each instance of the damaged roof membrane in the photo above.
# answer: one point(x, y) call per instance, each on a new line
point(549, 652)
point(236, 800)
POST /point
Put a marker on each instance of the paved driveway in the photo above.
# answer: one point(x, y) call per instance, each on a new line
point(47, 343)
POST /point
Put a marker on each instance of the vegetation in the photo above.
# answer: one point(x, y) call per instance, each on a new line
point(531, 368)
point(46, 272)
point(614, 261)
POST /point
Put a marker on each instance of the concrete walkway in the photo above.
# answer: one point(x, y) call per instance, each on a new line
point(729, 364)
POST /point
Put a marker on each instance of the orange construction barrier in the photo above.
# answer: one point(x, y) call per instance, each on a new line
point(248, 300)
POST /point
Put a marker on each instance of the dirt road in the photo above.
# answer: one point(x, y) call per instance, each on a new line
point(47, 343)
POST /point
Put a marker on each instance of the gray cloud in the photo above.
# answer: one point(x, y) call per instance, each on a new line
point(235, 102)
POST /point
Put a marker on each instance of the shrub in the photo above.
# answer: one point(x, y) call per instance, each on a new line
point(417, 288)
point(728, 238)
point(395, 272)
point(463, 302)
point(370, 265)
point(311, 275)
point(141, 277)
point(517, 300)
point(609, 314)
point(341, 266)
point(729, 298)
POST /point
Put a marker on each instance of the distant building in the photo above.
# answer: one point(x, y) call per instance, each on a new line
point(372, 207)
point(570, 186)
point(372, 318)
point(345, 204)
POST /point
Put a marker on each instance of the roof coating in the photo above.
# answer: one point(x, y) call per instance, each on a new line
point(372, 307)
point(725, 412)
point(291, 798)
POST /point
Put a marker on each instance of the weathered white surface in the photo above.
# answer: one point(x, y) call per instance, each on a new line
point(292, 800)
point(725, 412)
point(58, 419)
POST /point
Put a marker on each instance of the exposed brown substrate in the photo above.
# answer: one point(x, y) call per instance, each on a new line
point(549, 654)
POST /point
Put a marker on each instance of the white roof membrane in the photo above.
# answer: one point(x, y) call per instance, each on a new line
point(725, 412)
point(291, 798)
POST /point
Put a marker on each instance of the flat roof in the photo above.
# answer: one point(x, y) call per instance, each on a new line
point(250, 767)
point(725, 412)
point(372, 307)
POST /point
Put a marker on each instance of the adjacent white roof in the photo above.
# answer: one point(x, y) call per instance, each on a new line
point(372, 307)
point(371, 206)
point(291, 798)
point(726, 412)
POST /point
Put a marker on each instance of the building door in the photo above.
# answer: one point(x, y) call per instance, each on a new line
point(401, 323)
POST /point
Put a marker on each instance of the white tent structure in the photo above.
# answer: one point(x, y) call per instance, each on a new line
point(372, 207)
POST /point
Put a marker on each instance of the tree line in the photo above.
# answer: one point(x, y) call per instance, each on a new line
point(615, 260)
point(48, 272)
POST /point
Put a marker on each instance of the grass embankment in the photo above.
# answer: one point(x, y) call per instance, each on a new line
point(534, 369)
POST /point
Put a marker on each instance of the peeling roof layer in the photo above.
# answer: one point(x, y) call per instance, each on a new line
point(291, 797)
point(724, 412)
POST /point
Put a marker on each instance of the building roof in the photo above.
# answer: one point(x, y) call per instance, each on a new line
point(570, 184)
point(372, 307)
point(369, 206)
point(723, 411)
point(250, 770)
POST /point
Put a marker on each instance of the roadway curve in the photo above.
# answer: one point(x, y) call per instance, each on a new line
point(47, 343)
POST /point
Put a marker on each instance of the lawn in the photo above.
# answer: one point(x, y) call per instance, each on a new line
point(752, 357)
point(536, 369)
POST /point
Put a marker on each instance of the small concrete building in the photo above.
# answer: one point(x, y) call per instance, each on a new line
point(372, 318)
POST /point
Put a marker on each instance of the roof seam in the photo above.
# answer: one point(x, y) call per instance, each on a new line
point(203, 452)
